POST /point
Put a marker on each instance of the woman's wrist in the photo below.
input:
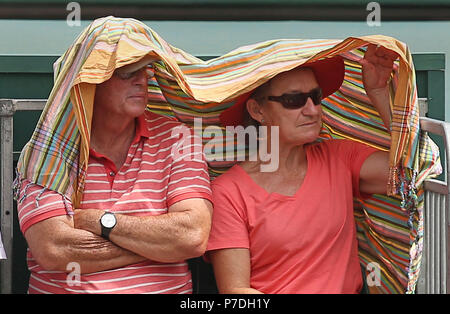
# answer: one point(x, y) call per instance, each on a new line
point(381, 100)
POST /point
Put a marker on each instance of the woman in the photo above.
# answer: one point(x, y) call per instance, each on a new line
point(292, 230)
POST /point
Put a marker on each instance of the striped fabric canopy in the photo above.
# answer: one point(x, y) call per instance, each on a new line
point(390, 228)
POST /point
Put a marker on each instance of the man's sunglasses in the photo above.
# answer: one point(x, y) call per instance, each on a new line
point(129, 75)
point(298, 100)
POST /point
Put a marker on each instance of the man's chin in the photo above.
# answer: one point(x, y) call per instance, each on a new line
point(137, 108)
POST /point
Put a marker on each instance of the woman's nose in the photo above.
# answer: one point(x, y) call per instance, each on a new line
point(310, 108)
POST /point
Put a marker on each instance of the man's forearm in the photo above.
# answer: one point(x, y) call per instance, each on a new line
point(66, 244)
point(93, 253)
point(170, 237)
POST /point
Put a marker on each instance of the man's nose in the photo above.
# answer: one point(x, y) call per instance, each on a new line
point(141, 77)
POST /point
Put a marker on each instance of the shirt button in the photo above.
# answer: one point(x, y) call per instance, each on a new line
point(112, 174)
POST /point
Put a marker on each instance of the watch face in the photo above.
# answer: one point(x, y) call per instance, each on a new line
point(108, 220)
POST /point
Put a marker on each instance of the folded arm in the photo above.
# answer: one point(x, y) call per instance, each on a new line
point(55, 243)
point(180, 234)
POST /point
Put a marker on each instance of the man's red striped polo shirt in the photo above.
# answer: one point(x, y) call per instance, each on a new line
point(153, 177)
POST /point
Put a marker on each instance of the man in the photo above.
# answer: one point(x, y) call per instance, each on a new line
point(143, 213)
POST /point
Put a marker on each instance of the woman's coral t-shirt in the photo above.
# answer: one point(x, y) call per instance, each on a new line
point(305, 243)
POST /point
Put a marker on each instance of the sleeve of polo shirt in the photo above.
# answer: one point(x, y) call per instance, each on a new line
point(36, 203)
point(189, 177)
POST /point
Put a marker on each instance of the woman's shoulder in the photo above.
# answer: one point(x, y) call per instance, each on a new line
point(234, 180)
point(230, 176)
point(320, 146)
point(329, 145)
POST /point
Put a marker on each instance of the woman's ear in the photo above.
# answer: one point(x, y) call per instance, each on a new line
point(254, 109)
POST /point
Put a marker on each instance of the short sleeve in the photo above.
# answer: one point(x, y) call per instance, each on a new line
point(354, 154)
point(229, 220)
point(189, 177)
point(36, 203)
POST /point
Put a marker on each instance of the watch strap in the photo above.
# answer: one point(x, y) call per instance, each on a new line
point(106, 232)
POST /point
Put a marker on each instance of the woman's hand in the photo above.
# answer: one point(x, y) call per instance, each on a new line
point(377, 66)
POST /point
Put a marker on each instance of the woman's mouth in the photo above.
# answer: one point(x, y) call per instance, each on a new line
point(311, 123)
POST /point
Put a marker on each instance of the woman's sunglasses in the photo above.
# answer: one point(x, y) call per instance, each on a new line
point(298, 100)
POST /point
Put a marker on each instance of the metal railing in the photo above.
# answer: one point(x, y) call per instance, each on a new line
point(435, 273)
point(7, 109)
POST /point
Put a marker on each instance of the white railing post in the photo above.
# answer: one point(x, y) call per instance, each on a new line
point(6, 194)
point(7, 109)
point(435, 271)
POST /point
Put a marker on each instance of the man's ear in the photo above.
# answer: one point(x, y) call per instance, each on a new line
point(254, 110)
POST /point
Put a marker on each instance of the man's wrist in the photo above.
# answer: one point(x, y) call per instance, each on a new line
point(107, 223)
point(88, 219)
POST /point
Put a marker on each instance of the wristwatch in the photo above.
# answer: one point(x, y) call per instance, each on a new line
point(107, 222)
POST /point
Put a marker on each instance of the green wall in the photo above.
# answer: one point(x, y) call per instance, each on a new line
point(216, 38)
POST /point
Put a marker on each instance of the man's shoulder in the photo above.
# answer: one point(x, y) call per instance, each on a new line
point(153, 119)
point(159, 125)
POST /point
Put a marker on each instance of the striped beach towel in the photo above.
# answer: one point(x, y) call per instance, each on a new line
point(390, 227)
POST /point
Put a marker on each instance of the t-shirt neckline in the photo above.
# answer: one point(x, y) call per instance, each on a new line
point(279, 195)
